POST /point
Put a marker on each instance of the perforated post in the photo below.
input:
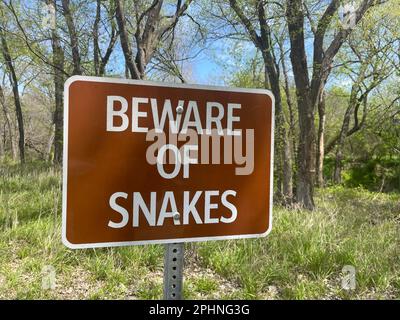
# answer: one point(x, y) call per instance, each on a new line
point(173, 271)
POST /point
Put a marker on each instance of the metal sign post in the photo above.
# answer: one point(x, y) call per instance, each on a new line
point(173, 271)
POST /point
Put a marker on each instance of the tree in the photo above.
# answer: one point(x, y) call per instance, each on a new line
point(150, 28)
point(308, 90)
point(321, 140)
point(63, 25)
point(73, 36)
point(8, 126)
point(9, 62)
point(58, 67)
point(263, 41)
point(375, 61)
point(100, 60)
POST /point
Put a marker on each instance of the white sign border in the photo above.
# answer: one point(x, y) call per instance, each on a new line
point(72, 79)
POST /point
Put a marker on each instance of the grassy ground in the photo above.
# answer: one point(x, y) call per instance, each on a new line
point(302, 258)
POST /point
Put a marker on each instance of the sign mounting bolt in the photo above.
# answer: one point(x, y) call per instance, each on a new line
point(179, 109)
point(176, 216)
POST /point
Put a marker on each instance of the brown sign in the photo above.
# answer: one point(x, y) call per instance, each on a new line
point(149, 162)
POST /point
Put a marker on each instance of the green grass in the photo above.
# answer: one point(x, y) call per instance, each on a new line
point(302, 258)
point(306, 251)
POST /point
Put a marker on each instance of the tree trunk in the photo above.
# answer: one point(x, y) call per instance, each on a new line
point(9, 128)
point(272, 74)
point(50, 144)
point(306, 147)
point(282, 146)
point(124, 39)
point(99, 61)
point(18, 108)
point(321, 142)
point(58, 60)
point(306, 152)
point(289, 100)
point(3, 136)
point(96, 48)
point(76, 57)
point(337, 176)
point(287, 171)
point(290, 144)
point(2, 142)
point(58, 66)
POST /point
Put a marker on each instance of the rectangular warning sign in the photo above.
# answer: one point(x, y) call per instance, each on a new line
point(148, 162)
